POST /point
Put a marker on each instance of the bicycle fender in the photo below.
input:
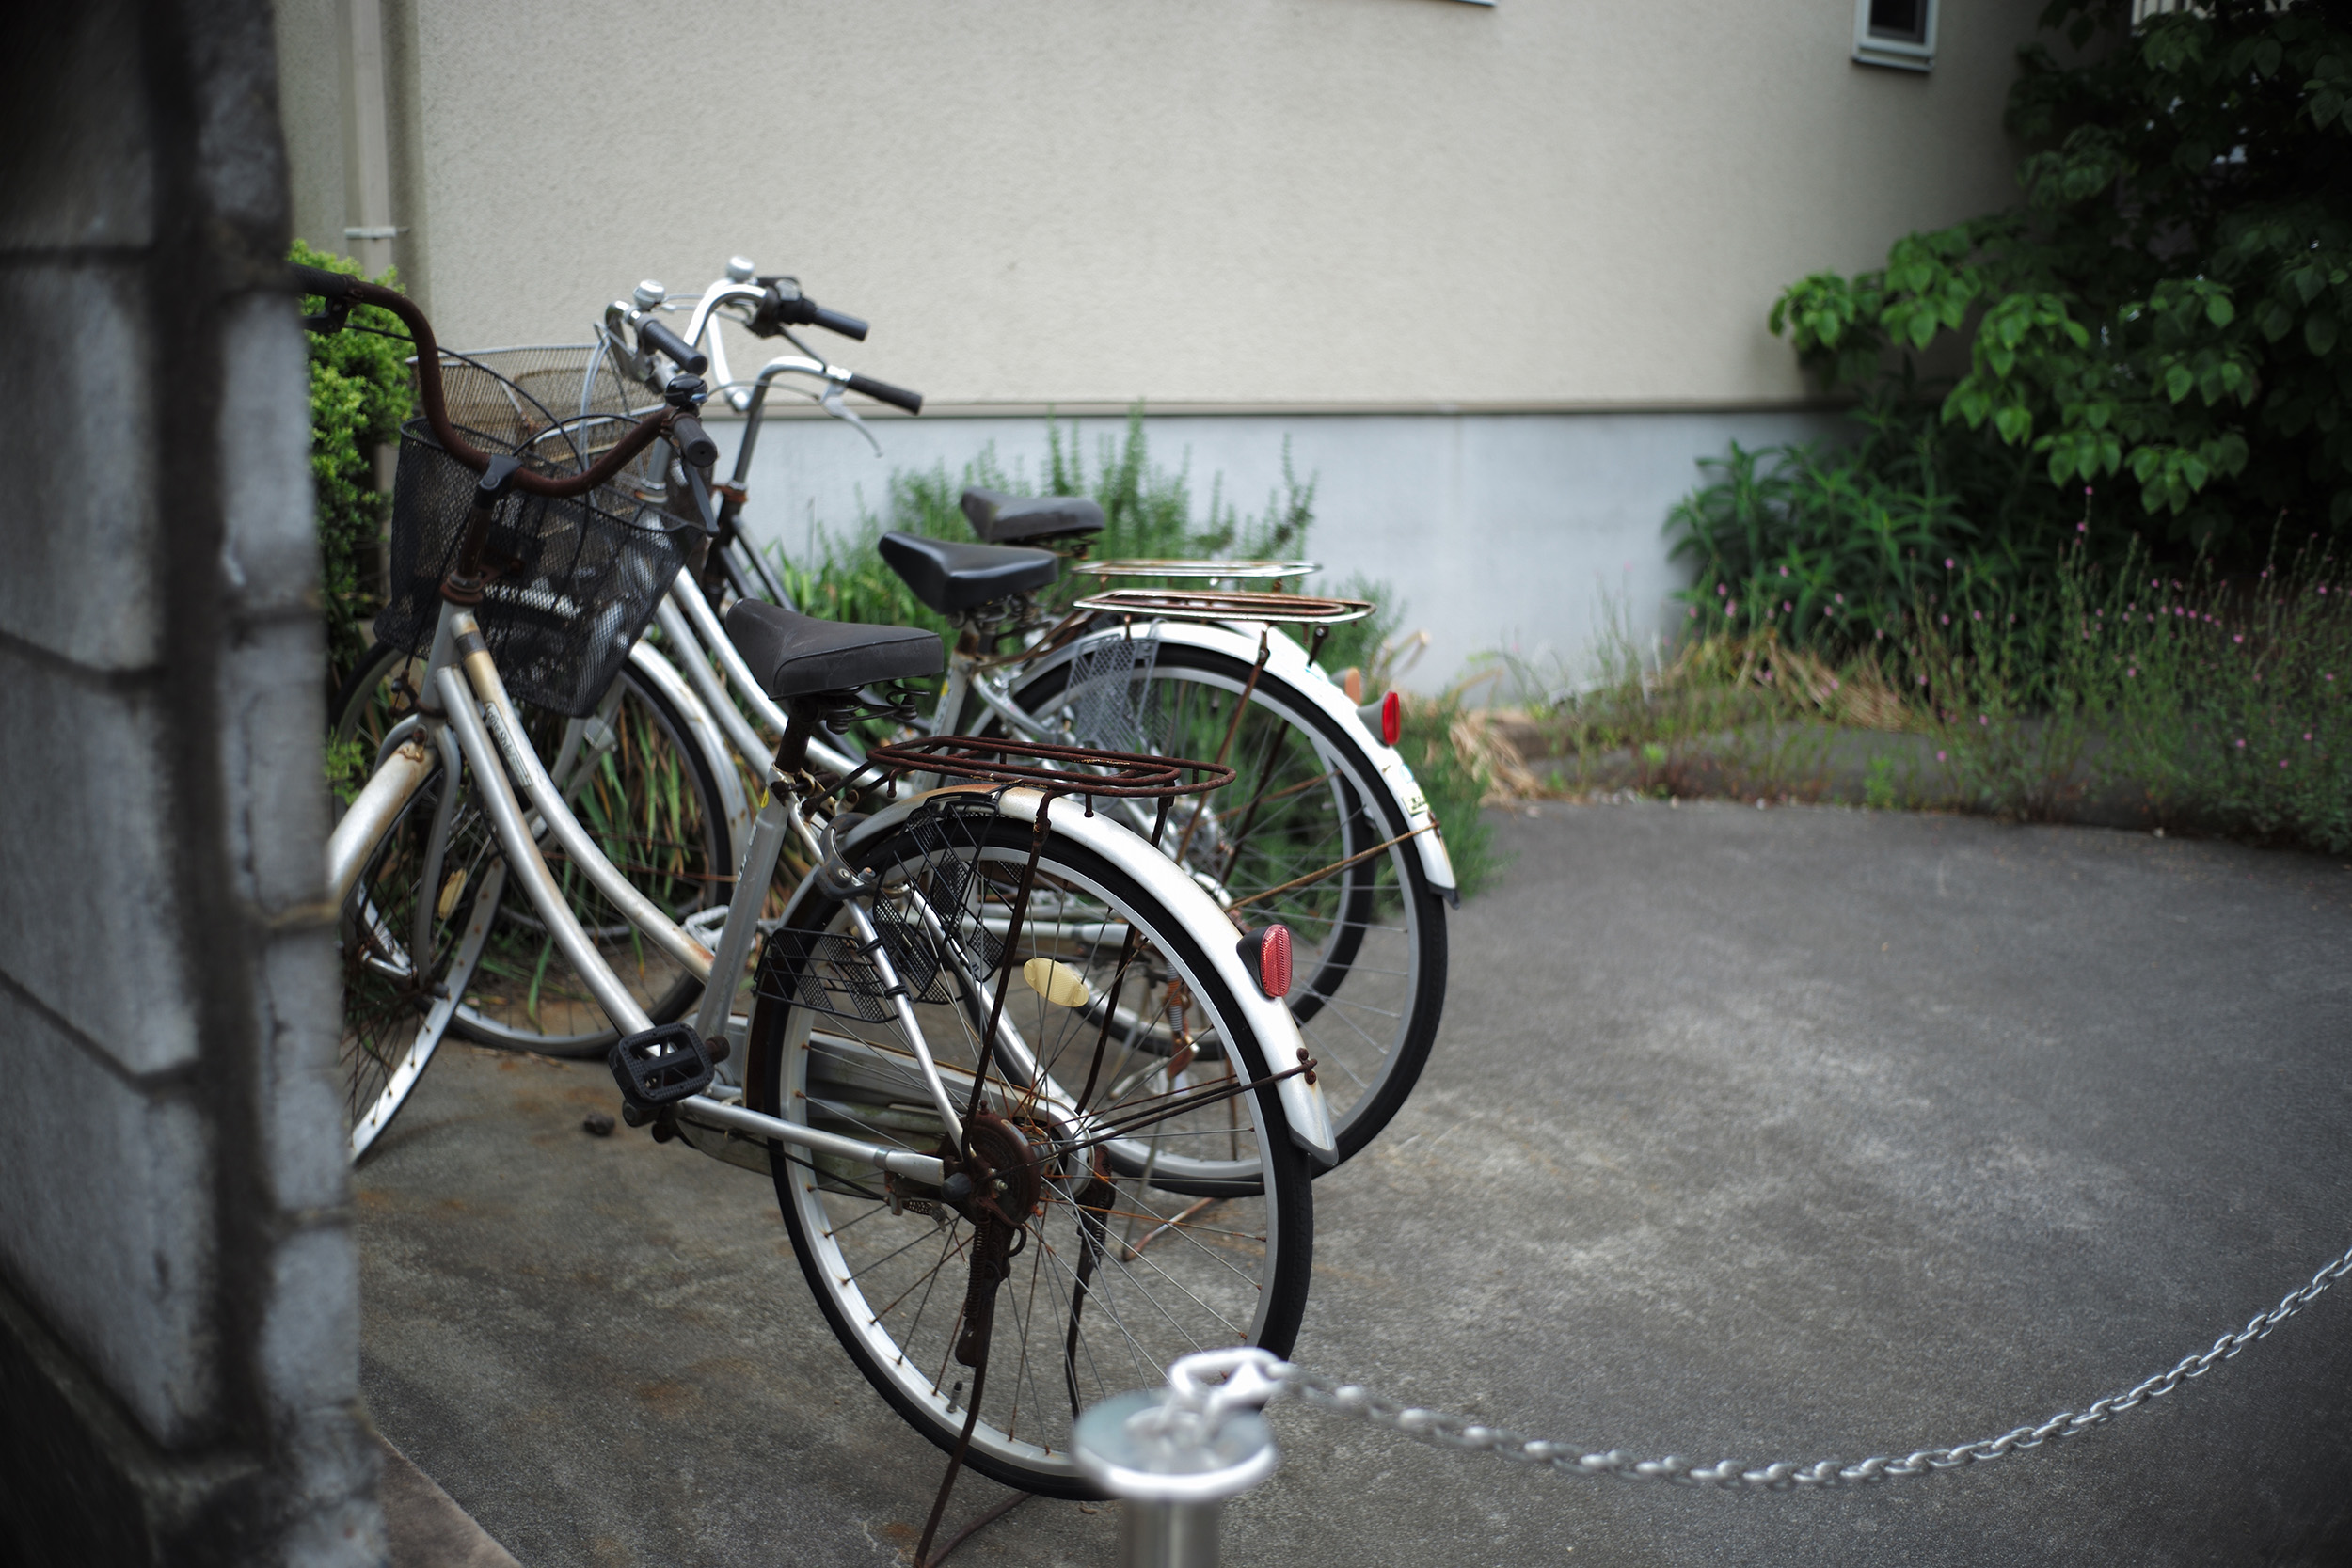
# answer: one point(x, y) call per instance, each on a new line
point(1302, 1102)
point(704, 736)
point(386, 794)
point(1288, 660)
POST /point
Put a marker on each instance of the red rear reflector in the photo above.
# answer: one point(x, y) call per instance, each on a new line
point(1267, 954)
point(1392, 718)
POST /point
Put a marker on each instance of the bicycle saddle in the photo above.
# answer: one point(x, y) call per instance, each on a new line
point(1003, 519)
point(951, 577)
point(798, 656)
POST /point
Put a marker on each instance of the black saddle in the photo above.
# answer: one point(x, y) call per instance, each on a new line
point(1003, 519)
point(799, 656)
point(952, 578)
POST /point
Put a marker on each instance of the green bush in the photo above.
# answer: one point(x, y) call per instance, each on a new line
point(358, 397)
point(2153, 340)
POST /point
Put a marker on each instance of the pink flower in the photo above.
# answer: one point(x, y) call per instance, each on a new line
point(1695, 611)
point(1721, 590)
point(1841, 598)
point(1945, 619)
point(1939, 756)
point(2237, 637)
point(1784, 571)
point(2282, 762)
point(1976, 615)
point(1983, 719)
point(1786, 605)
point(2241, 745)
point(1947, 563)
point(2132, 671)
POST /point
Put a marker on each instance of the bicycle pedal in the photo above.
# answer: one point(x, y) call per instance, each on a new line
point(660, 1066)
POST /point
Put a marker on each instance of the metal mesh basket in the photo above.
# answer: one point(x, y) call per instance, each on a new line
point(573, 582)
point(515, 394)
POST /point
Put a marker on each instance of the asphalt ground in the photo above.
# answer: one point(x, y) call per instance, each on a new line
point(1770, 1134)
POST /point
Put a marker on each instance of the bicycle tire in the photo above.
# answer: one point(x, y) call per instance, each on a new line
point(1181, 1273)
point(524, 996)
point(1343, 989)
point(396, 1011)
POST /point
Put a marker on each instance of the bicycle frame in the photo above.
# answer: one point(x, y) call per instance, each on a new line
point(968, 675)
point(471, 716)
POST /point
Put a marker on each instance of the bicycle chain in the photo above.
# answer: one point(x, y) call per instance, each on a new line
point(1456, 1432)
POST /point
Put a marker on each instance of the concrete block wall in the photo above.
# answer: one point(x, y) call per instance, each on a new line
point(178, 1284)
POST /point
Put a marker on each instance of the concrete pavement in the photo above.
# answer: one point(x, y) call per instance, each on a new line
point(1788, 1133)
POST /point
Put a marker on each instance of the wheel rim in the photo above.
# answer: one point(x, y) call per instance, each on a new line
point(1170, 1272)
point(393, 1019)
point(1358, 934)
point(641, 802)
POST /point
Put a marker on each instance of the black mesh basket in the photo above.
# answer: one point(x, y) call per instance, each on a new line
point(516, 394)
point(573, 582)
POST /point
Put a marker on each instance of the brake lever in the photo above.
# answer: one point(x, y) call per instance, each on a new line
point(830, 399)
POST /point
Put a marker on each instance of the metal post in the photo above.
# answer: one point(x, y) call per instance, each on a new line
point(1174, 1455)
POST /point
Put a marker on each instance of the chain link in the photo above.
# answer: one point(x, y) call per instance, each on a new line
point(1455, 1432)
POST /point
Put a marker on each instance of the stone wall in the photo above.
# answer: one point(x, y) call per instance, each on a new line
point(178, 1285)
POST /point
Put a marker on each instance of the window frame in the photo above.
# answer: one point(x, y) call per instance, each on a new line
point(1896, 53)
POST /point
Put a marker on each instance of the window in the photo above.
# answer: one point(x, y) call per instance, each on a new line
point(1898, 33)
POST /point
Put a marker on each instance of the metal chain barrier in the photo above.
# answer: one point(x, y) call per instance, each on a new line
point(1456, 1432)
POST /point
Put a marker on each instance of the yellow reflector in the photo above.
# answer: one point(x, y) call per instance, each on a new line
point(1056, 981)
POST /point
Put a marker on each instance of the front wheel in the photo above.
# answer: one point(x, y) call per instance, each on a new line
point(1111, 1275)
point(410, 935)
point(648, 796)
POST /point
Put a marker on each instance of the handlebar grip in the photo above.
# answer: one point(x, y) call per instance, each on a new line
point(318, 280)
point(693, 442)
point(672, 345)
point(833, 321)
point(882, 391)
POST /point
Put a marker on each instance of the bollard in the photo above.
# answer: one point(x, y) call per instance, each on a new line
point(1173, 1456)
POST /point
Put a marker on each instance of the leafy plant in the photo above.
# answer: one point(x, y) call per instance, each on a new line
point(358, 397)
point(2152, 342)
point(2166, 302)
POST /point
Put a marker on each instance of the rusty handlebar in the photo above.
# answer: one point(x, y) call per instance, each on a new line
point(342, 289)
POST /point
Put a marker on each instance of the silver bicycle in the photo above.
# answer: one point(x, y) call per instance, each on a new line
point(954, 1069)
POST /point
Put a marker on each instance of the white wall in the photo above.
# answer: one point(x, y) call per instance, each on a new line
point(1496, 529)
point(1392, 202)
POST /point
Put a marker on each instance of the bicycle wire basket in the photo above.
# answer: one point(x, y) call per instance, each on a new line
point(573, 582)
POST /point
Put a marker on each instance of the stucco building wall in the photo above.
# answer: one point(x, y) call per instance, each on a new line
point(1250, 209)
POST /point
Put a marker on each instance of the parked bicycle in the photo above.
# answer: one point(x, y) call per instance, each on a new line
point(956, 1071)
point(1324, 827)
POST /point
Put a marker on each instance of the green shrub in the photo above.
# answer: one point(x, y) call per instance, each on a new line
point(358, 397)
point(2153, 340)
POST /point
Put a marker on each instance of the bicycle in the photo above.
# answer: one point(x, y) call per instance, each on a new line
point(1325, 827)
point(914, 1113)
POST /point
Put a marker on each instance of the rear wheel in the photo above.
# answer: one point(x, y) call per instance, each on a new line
point(1307, 833)
point(1111, 1275)
point(650, 801)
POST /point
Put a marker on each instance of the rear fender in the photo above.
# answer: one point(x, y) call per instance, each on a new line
point(1302, 1102)
point(1286, 660)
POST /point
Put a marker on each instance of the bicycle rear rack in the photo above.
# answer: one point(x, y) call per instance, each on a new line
point(1056, 770)
point(1171, 604)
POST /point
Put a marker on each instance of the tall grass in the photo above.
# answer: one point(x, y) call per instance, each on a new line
point(1151, 511)
point(2196, 700)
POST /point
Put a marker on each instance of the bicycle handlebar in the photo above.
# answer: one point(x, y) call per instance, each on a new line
point(669, 342)
point(882, 391)
point(779, 310)
point(336, 286)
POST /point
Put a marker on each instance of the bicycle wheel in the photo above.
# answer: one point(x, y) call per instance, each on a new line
point(410, 935)
point(648, 797)
point(1370, 937)
point(1110, 1277)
